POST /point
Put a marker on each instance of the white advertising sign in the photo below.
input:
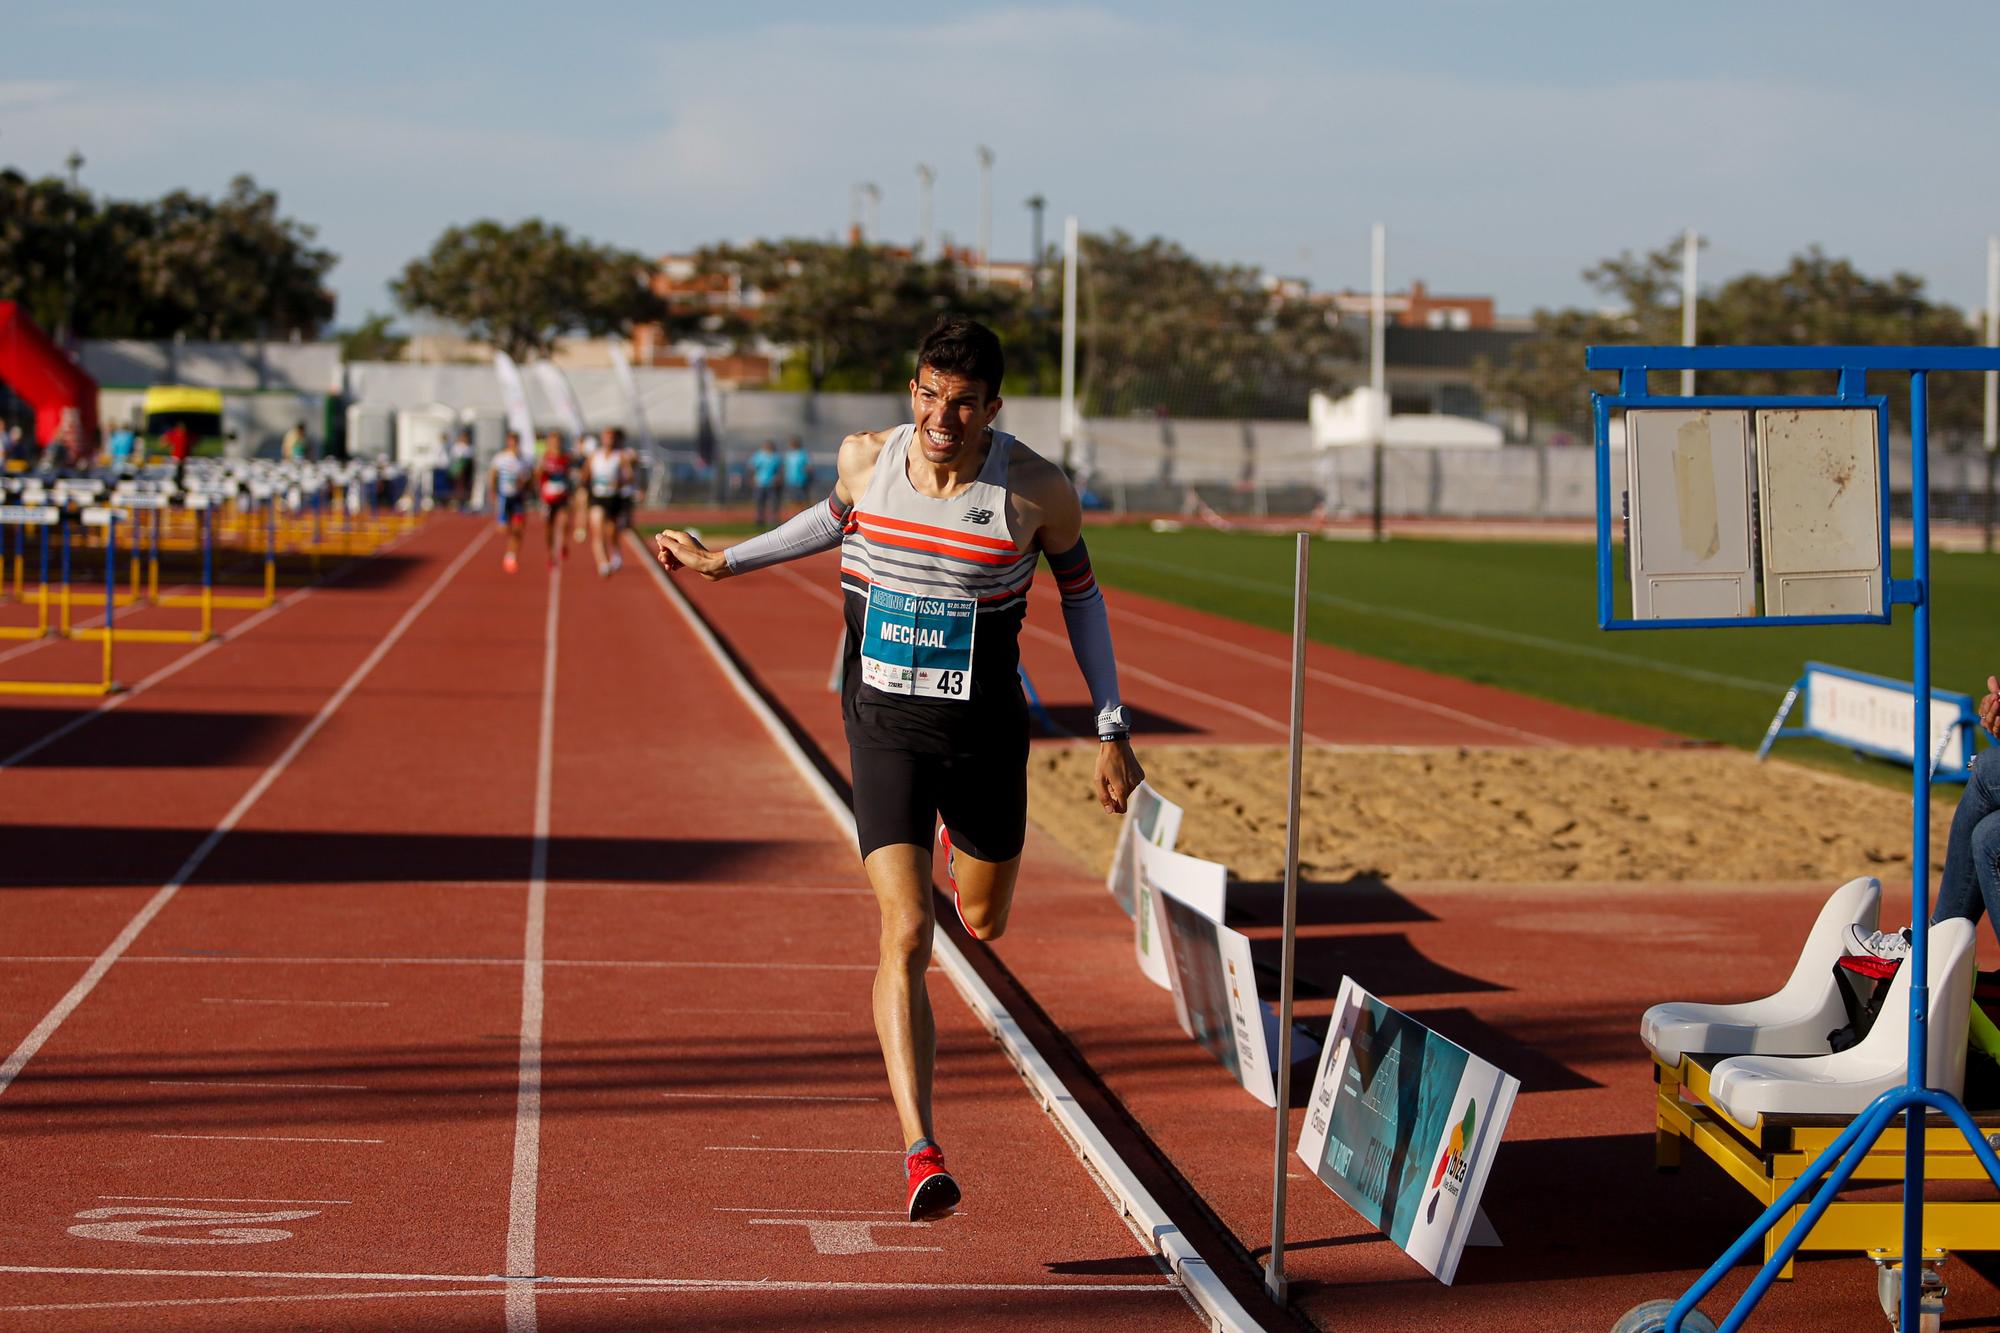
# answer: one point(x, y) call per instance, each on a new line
point(1403, 1125)
point(1149, 817)
point(1881, 717)
point(1201, 884)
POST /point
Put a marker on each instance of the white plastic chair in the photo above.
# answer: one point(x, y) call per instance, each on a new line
point(1797, 1019)
point(1751, 1086)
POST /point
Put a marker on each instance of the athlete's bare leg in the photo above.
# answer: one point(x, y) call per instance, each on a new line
point(600, 537)
point(901, 877)
point(985, 892)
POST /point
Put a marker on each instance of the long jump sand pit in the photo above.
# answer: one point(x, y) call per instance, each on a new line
point(1514, 816)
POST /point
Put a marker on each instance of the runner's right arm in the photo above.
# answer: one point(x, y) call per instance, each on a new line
point(817, 529)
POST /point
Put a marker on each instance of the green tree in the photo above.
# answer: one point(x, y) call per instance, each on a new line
point(372, 340)
point(1163, 331)
point(1814, 300)
point(229, 268)
point(519, 288)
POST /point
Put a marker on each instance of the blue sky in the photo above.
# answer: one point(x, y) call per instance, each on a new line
point(1506, 145)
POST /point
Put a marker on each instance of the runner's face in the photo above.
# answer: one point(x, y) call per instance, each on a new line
point(952, 412)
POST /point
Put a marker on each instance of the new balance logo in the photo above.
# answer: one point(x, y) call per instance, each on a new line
point(980, 516)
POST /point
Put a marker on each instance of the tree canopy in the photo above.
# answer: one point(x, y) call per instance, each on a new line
point(1814, 300)
point(232, 267)
point(519, 288)
point(1161, 331)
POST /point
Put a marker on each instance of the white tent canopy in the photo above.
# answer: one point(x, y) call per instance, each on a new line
point(1355, 419)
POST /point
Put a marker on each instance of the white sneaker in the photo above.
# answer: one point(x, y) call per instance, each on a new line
point(617, 562)
point(1879, 943)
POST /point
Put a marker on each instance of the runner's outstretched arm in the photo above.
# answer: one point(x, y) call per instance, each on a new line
point(805, 533)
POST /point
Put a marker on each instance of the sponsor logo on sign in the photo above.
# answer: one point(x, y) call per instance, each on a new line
point(979, 516)
point(1449, 1175)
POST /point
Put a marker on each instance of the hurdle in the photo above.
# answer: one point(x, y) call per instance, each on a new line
point(210, 601)
point(18, 519)
point(1810, 546)
point(107, 683)
point(204, 601)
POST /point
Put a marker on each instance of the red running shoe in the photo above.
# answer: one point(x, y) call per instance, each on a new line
point(933, 1193)
point(951, 878)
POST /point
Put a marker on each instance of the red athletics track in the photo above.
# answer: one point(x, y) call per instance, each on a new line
point(1548, 981)
point(493, 971)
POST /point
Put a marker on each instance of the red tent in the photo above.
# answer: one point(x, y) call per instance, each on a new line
point(36, 369)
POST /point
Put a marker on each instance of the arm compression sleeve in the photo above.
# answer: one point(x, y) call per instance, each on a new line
point(1089, 629)
point(805, 533)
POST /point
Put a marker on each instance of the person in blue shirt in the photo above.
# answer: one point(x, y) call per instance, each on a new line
point(798, 472)
point(123, 443)
point(764, 476)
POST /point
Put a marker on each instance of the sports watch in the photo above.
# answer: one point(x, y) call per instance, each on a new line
point(1114, 724)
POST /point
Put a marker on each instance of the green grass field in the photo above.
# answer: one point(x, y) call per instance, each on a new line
point(1523, 616)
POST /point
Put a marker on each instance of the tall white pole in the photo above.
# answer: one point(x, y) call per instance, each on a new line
point(925, 177)
point(1690, 243)
point(873, 194)
point(1068, 417)
point(1274, 1271)
point(1378, 312)
point(1992, 436)
point(985, 213)
point(1378, 373)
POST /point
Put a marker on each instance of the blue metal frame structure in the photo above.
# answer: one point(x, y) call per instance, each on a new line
point(1967, 721)
point(1833, 1167)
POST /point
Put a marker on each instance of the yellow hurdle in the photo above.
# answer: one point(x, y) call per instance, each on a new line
point(93, 517)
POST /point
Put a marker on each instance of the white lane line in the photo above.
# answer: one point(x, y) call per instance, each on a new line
point(1282, 726)
point(33, 1042)
point(653, 963)
point(756, 1147)
point(1416, 703)
point(324, 1004)
point(600, 1283)
point(834, 1212)
point(184, 660)
point(233, 1083)
point(763, 1097)
point(528, 1097)
point(261, 1138)
point(201, 1198)
point(1466, 627)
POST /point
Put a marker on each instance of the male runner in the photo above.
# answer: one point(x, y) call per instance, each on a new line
point(555, 480)
point(940, 523)
point(506, 485)
point(609, 470)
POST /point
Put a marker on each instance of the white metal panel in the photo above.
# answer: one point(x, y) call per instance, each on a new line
point(1820, 509)
point(1689, 479)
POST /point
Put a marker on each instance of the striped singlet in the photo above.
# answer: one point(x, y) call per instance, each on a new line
point(935, 592)
point(508, 472)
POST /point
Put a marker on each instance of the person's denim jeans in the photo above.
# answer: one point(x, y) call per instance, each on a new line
point(1972, 857)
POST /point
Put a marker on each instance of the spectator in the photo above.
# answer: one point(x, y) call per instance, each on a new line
point(178, 442)
point(798, 472)
point(124, 443)
point(293, 447)
point(764, 476)
point(460, 462)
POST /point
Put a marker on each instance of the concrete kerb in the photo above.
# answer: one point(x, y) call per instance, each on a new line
point(1148, 1220)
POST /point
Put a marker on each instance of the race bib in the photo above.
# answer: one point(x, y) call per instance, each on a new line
point(915, 645)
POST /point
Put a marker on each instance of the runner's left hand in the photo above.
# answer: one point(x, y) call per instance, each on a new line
point(1118, 775)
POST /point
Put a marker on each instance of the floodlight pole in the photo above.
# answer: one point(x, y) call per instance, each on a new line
point(1068, 415)
point(985, 215)
point(925, 178)
point(1378, 373)
point(1991, 435)
point(1274, 1271)
point(1690, 244)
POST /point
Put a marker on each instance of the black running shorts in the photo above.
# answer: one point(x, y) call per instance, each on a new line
point(983, 798)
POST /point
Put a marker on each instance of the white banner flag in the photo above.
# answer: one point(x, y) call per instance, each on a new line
point(561, 397)
point(514, 397)
point(635, 410)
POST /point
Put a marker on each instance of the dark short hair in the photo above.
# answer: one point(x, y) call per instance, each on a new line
point(958, 345)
